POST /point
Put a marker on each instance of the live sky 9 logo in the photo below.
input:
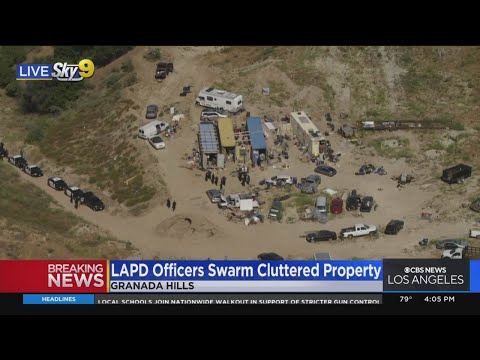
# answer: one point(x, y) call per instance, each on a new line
point(60, 71)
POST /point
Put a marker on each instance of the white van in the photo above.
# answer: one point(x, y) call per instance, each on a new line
point(152, 128)
point(321, 204)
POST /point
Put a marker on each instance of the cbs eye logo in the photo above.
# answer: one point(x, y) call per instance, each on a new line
point(73, 72)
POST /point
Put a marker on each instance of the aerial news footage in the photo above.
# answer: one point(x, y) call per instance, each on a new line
point(214, 153)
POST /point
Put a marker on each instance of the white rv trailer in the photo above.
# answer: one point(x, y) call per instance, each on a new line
point(220, 99)
point(306, 131)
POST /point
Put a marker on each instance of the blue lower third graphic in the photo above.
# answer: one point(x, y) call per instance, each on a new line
point(475, 276)
point(34, 72)
point(58, 299)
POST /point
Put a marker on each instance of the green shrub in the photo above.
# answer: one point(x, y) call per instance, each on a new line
point(127, 66)
point(13, 89)
point(153, 55)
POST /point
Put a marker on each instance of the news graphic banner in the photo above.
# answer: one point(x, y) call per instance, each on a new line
point(246, 276)
point(61, 71)
point(58, 276)
point(427, 275)
point(76, 281)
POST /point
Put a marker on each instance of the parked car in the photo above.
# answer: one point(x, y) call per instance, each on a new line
point(310, 184)
point(157, 142)
point(92, 201)
point(368, 204)
point(456, 174)
point(269, 256)
point(214, 195)
point(57, 183)
point(393, 227)
point(275, 210)
point(33, 170)
point(336, 206)
point(448, 244)
point(475, 205)
point(326, 170)
point(152, 111)
point(279, 180)
point(209, 115)
point(353, 201)
point(73, 190)
point(322, 235)
point(18, 160)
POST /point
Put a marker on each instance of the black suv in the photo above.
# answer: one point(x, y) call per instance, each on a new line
point(393, 227)
point(353, 201)
point(322, 235)
point(269, 256)
point(367, 204)
point(92, 201)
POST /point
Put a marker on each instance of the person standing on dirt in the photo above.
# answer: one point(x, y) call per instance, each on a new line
point(213, 178)
point(247, 179)
point(174, 205)
point(207, 175)
point(224, 181)
point(168, 203)
point(76, 203)
point(216, 180)
point(71, 198)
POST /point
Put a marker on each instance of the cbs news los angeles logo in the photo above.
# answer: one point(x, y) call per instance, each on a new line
point(60, 71)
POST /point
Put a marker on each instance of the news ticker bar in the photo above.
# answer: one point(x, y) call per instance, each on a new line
point(202, 299)
point(138, 276)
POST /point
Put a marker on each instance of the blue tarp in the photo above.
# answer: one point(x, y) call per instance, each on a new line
point(255, 129)
point(208, 139)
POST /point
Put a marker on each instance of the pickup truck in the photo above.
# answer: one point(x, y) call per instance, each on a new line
point(358, 230)
point(475, 233)
point(233, 201)
point(462, 252)
point(310, 184)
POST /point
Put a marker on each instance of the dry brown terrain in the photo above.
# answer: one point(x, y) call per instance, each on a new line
point(159, 232)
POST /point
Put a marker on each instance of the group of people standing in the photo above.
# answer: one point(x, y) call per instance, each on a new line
point(171, 204)
point(244, 178)
point(214, 179)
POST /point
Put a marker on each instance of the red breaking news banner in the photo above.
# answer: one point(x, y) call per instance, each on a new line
point(47, 276)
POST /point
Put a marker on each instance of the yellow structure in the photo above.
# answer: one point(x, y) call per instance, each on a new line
point(225, 132)
point(243, 153)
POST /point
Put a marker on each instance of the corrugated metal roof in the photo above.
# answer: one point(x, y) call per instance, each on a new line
point(208, 138)
point(225, 129)
point(255, 130)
